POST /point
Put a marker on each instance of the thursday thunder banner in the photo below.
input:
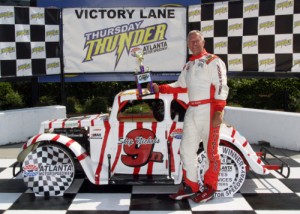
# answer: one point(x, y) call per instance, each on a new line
point(103, 39)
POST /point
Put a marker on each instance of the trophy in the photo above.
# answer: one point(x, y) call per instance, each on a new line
point(142, 77)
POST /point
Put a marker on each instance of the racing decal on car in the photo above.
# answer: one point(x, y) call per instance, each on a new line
point(138, 146)
point(177, 133)
point(96, 133)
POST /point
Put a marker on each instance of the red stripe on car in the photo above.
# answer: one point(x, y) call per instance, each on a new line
point(32, 142)
point(119, 149)
point(82, 156)
point(70, 142)
point(151, 163)
point(233, 133)
point(170, 139)
point(93, 120)
point(100, 163)
point(55, 138)
point(136, 171)
point(245, 143)
point(50, 123)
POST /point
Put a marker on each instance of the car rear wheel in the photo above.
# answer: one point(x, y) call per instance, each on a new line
point(232, 174)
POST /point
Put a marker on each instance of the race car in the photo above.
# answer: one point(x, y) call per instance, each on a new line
point(137, 143)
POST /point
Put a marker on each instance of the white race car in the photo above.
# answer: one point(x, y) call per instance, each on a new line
point(136, 144)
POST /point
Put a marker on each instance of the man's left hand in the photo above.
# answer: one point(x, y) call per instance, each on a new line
point(217, 119)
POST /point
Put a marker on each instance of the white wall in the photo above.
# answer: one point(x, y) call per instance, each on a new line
point(280, 129)
point(19, 125)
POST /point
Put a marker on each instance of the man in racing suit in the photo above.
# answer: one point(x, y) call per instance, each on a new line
point(204, 76)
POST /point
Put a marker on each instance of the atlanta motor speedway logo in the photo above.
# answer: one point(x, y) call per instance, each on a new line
point(32, 170)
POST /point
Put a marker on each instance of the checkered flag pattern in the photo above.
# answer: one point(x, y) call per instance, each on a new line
point(48, 171)
point(251, 35)
point(29, 41)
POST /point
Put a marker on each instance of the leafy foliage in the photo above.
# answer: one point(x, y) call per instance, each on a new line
point(271, 94)
point(46, 101)
point(9, 99)
point(96, 105)
point(73, 105)
point(261, 93)
point(136, 109)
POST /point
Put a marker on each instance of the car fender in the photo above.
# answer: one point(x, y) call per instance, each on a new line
point(78, 151)
point(239, 142)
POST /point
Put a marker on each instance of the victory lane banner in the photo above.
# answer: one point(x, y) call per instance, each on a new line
point(101, 39)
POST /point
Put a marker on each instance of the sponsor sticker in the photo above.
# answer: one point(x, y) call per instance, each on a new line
point(177, 133)
point(96, 134)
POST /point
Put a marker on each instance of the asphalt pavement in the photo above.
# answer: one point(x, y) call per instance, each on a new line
point(259, 194)
point(10, 151)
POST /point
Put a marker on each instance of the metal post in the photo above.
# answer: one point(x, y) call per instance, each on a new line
point(62, 76)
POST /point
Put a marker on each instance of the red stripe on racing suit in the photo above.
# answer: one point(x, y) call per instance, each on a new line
point(212, 174)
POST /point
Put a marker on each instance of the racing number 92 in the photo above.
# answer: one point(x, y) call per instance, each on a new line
point(138, 146)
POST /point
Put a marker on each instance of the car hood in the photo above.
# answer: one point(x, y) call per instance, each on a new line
point(72, 122)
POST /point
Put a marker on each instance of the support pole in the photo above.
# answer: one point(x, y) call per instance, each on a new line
point(62, 76)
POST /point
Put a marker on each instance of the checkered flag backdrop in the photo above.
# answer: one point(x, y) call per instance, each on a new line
point(251, 35)
point(29, 41)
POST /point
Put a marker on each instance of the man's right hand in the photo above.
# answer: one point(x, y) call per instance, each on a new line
point(155, 87)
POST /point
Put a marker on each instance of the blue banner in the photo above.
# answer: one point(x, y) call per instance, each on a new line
point(114, 3)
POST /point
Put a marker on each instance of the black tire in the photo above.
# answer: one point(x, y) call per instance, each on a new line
point(49, 170)
point(232, 174)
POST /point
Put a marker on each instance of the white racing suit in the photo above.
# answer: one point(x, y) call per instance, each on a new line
point(204, 76)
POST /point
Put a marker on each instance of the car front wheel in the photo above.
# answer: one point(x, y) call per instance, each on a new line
point(49, 170)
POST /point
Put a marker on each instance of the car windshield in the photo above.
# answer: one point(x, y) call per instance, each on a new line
point(151, 110)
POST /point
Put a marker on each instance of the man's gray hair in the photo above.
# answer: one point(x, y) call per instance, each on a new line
point(198, 32)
